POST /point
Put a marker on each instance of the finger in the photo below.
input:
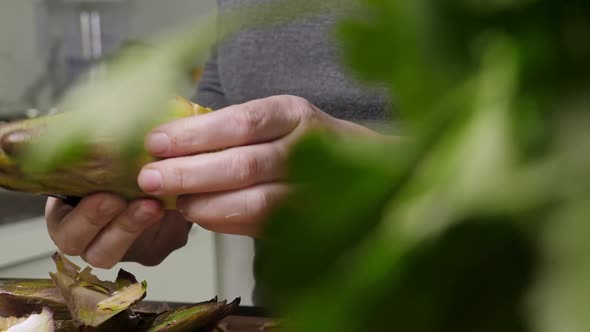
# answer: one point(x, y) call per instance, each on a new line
point(159, 240)
point(220, 171)
point(254, 122)
point(55, 210)
point(111, 244)
point(236, 212)
point(72, 229)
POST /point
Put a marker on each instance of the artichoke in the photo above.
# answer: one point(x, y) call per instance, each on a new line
point(95, 167)
point(75, 300)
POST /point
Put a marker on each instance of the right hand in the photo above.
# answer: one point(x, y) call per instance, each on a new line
point(103, 229)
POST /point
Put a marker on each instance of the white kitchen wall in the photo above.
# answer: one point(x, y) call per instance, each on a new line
point(22, 56)
point(157, 16)
point(235, 259)
point(187, 275)
point(19, 60)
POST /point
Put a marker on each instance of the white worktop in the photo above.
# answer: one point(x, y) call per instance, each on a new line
point(188, 275)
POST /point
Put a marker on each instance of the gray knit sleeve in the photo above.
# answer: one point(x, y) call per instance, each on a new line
point(210, 90)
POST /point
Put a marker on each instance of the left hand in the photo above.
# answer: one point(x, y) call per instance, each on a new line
point(104, 229)
point(228, 167)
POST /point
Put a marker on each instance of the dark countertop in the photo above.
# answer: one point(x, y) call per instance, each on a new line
point(245, 319)
point(15, 207)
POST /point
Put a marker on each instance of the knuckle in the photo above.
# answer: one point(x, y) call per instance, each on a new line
point(66, 245)
point(297, 101)
point(99, 260)
point(179, 182)
point(136, 219)
point(257, 202)
point(184, 140)
point(245, 168)
point(305, 109)
point(95, 219)
point(98, 210)
point(182, 135)
point(191, 215)
point(247, 122)
point(129, 227)
point(184, 206)
point(69, 249)
point(187, 214)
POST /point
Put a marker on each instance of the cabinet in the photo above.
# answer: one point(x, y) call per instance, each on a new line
point(187, 275)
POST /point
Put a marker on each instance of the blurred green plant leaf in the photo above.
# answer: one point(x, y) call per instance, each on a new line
point(367, 231)
point(446, 237)
point(560, 298)
point(422, 49)
point(319, 168)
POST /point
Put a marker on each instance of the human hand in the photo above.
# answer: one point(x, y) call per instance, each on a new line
point(228, 168)
point(103, 229)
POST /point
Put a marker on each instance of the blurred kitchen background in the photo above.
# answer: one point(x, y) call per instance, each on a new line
point(45, 45)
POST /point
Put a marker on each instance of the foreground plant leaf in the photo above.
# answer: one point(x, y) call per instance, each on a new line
point(91, 301)
point(454, 246)
point(37, 322)
point(96, 166)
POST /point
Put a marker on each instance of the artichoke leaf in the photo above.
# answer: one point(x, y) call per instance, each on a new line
point(86, 303)
point(90, 300)
point(23, 297)
point(197, 317)
point(124, 298)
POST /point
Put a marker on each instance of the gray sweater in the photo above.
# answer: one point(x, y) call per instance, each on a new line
point(299, 58)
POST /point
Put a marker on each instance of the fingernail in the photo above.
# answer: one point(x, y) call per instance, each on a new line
point(142, 213)
point(158, 143)
point(107, 207)
point(150, 180)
